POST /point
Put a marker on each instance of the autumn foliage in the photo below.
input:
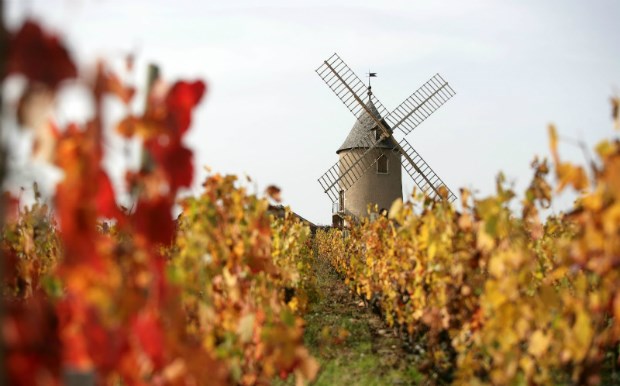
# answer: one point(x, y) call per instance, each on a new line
point(95, 290)
point(245, 279)
point(217, 295)
point(485, 296)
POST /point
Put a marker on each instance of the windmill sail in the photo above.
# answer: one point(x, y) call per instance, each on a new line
point(347, 86)
point(420, 105)
point(422, 174)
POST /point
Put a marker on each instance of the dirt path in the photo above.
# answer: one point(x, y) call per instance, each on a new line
point(353, 345)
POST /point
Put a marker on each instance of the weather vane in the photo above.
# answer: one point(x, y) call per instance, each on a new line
point(370, 75)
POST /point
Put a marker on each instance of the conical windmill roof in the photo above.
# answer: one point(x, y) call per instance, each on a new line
point(362, 127)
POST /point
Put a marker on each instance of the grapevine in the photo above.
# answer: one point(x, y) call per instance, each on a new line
point(94, 291)
point(489, 297)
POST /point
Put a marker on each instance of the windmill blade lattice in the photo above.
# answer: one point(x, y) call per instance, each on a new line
point(422, 174)
point(347, 86)
point(347, 171)
point(406, 117)
point(420, 105)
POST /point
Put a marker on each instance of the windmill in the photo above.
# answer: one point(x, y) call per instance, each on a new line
point(371, 142)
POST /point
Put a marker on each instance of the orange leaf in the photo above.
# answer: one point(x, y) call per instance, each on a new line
point(114, 86)
point(274, 193)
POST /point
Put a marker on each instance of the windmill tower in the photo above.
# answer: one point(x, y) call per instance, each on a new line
point(371, 158)
point(383, 183)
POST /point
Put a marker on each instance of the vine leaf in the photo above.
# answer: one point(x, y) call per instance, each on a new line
point(39, 56)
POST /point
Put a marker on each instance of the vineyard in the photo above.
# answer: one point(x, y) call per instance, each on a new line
point(232, 292)
point(489, 297)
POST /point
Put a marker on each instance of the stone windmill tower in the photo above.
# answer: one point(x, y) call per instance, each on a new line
point(368, 171)
point(383, 183)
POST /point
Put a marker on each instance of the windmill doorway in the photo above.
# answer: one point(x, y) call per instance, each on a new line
point(382, 165)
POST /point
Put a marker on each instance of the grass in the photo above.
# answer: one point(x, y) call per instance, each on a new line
point(353, 345)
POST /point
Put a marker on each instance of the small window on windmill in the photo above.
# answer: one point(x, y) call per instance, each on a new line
point(377, 134)
point(382, 164)
point(341, 201)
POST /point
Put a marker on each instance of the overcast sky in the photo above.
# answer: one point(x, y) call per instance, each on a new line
point(516, 66)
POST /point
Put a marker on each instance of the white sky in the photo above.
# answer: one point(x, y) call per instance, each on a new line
point(515, 65)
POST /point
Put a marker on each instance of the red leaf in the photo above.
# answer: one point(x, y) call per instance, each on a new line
point(105, 345)
point(148, 330)
point(39, 56)
point(179, 164)
point(30, 336)
point(181, 99)
point(11, 206)
point(153, 220)
point(175, 159)
point(75, 353)
point(105, 201)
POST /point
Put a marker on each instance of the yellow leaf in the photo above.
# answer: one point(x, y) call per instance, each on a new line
point(553, 143)
point(246, 328)
point(496, 266)
point(484, 242)
point(557, 274)
point(549, 296)
point(395, 209)
point(522, 326)
point(527, 365)
point(494, 295)
point(611, 220)
point(432, 249)
point(539, 342)
point(294, 304)
point(583, 334)
point(592, 202)
point(571, 175)
point(604, 149)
